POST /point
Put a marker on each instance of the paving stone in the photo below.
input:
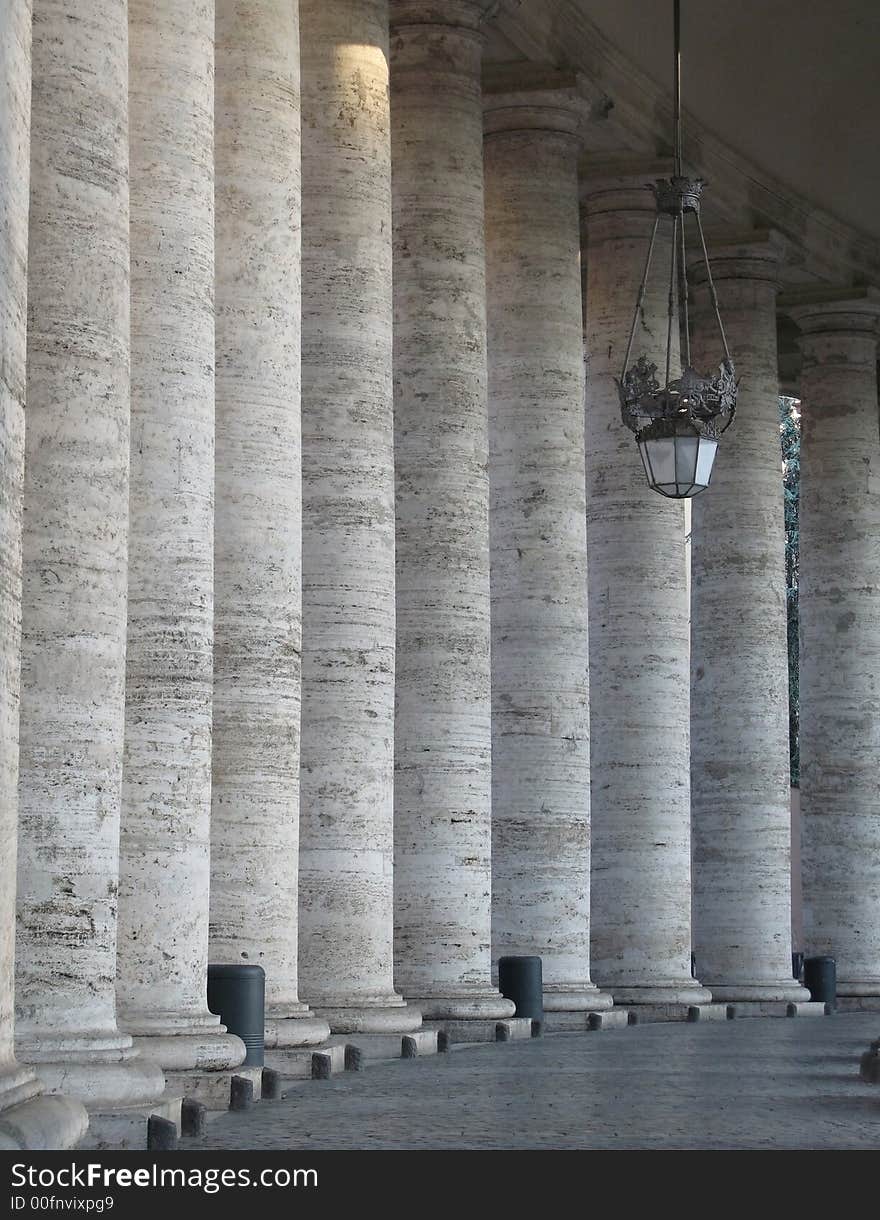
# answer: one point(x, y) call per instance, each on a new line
point(762, 1084)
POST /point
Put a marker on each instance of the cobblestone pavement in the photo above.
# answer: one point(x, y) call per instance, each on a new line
point(751, 1083)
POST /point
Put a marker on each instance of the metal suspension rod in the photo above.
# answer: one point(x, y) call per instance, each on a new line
point(670, 314)
point(685, 295)
point(641, 297)
point(712, 293)
point(677, 79)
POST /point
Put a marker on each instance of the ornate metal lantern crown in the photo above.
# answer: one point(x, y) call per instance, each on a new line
point(677, 423)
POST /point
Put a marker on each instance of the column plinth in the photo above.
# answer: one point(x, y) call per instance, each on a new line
point(839, 607)
point(540, 651)
point(443, 723)
point(639, 639)
point(740, 786)
point(346, 792)
point(166, 790)
point(74, 562)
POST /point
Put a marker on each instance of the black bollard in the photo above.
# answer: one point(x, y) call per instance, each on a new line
point(193, 1117)
point(241, 1093)
point(270, 1085)
point(237, 994)
point(520, 980)
point(820, 979)
point(161, 1134)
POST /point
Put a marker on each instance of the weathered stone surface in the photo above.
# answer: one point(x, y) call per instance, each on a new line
point(839, 602)
point(740, 788)
point(346, 899)
point(639, 651)
point(442, 737)
point(74, 560)
point(257, 530)
point(26, 1119)
point(540, 649)
point(166, 783)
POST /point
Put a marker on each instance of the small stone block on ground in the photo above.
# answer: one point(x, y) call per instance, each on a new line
point(296, 1063)
point(612, 1018)
point(513, 1029)
point(212, 1089)
point(711, 1012)
point(869, 1067)
point(808, 1008)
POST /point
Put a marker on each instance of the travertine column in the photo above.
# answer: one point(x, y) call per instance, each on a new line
point(27, 1120)
point(639, 652)
point(740, 787)
point(540, 649)
point(442, 736)
point(346, 871)
point(839, 601)
point(74, 559)
point(166, 793)
point(257, 536)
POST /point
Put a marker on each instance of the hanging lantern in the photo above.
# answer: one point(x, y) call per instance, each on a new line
point(677, 423)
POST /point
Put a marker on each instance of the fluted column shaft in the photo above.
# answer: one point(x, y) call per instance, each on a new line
point(74, 558)
point(740, 788)
point(346, 881)
point(540, 648)
point(166, 793)
point(27, 1120)
point(839, 604)
point(442, 731)
point(258, 535)
point(639, 654)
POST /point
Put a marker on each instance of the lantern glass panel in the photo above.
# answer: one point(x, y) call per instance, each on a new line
point(708, 449)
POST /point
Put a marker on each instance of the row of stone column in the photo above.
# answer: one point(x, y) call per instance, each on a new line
point(327, 668)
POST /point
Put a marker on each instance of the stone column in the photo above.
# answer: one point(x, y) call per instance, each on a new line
point(839, 599)
point(27, 1120)
point(740, 785)
point(74, 560)
point(258, 537)
point(639, 650)
point(166, 793)
point(443, 727)
point(540, 650)
point(346, 786)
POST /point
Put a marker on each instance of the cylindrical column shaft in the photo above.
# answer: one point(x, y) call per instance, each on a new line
point(346, 897)
point(740, 788)
point(26, 1119)
point(166, 794)
point(257, 536)
point(540, 648)
point(443, 725)
point(639, 650)
point(839, 606)
point(74, 559)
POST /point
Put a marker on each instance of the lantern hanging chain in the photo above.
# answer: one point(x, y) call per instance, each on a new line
point(677, 78)
point(670, 311)
point(685, 301)
point(640, 299)
point(710, 283)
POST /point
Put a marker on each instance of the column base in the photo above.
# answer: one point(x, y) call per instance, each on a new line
point(396, 1016)
point(667, 993)
point(489, 1005)
point(51, 1124)
point(560, 998)
point(785, 989)
point(204, 1052)
point(102, 1077)
point(293, 1031)
point(859, 988)
point(212, 1087)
